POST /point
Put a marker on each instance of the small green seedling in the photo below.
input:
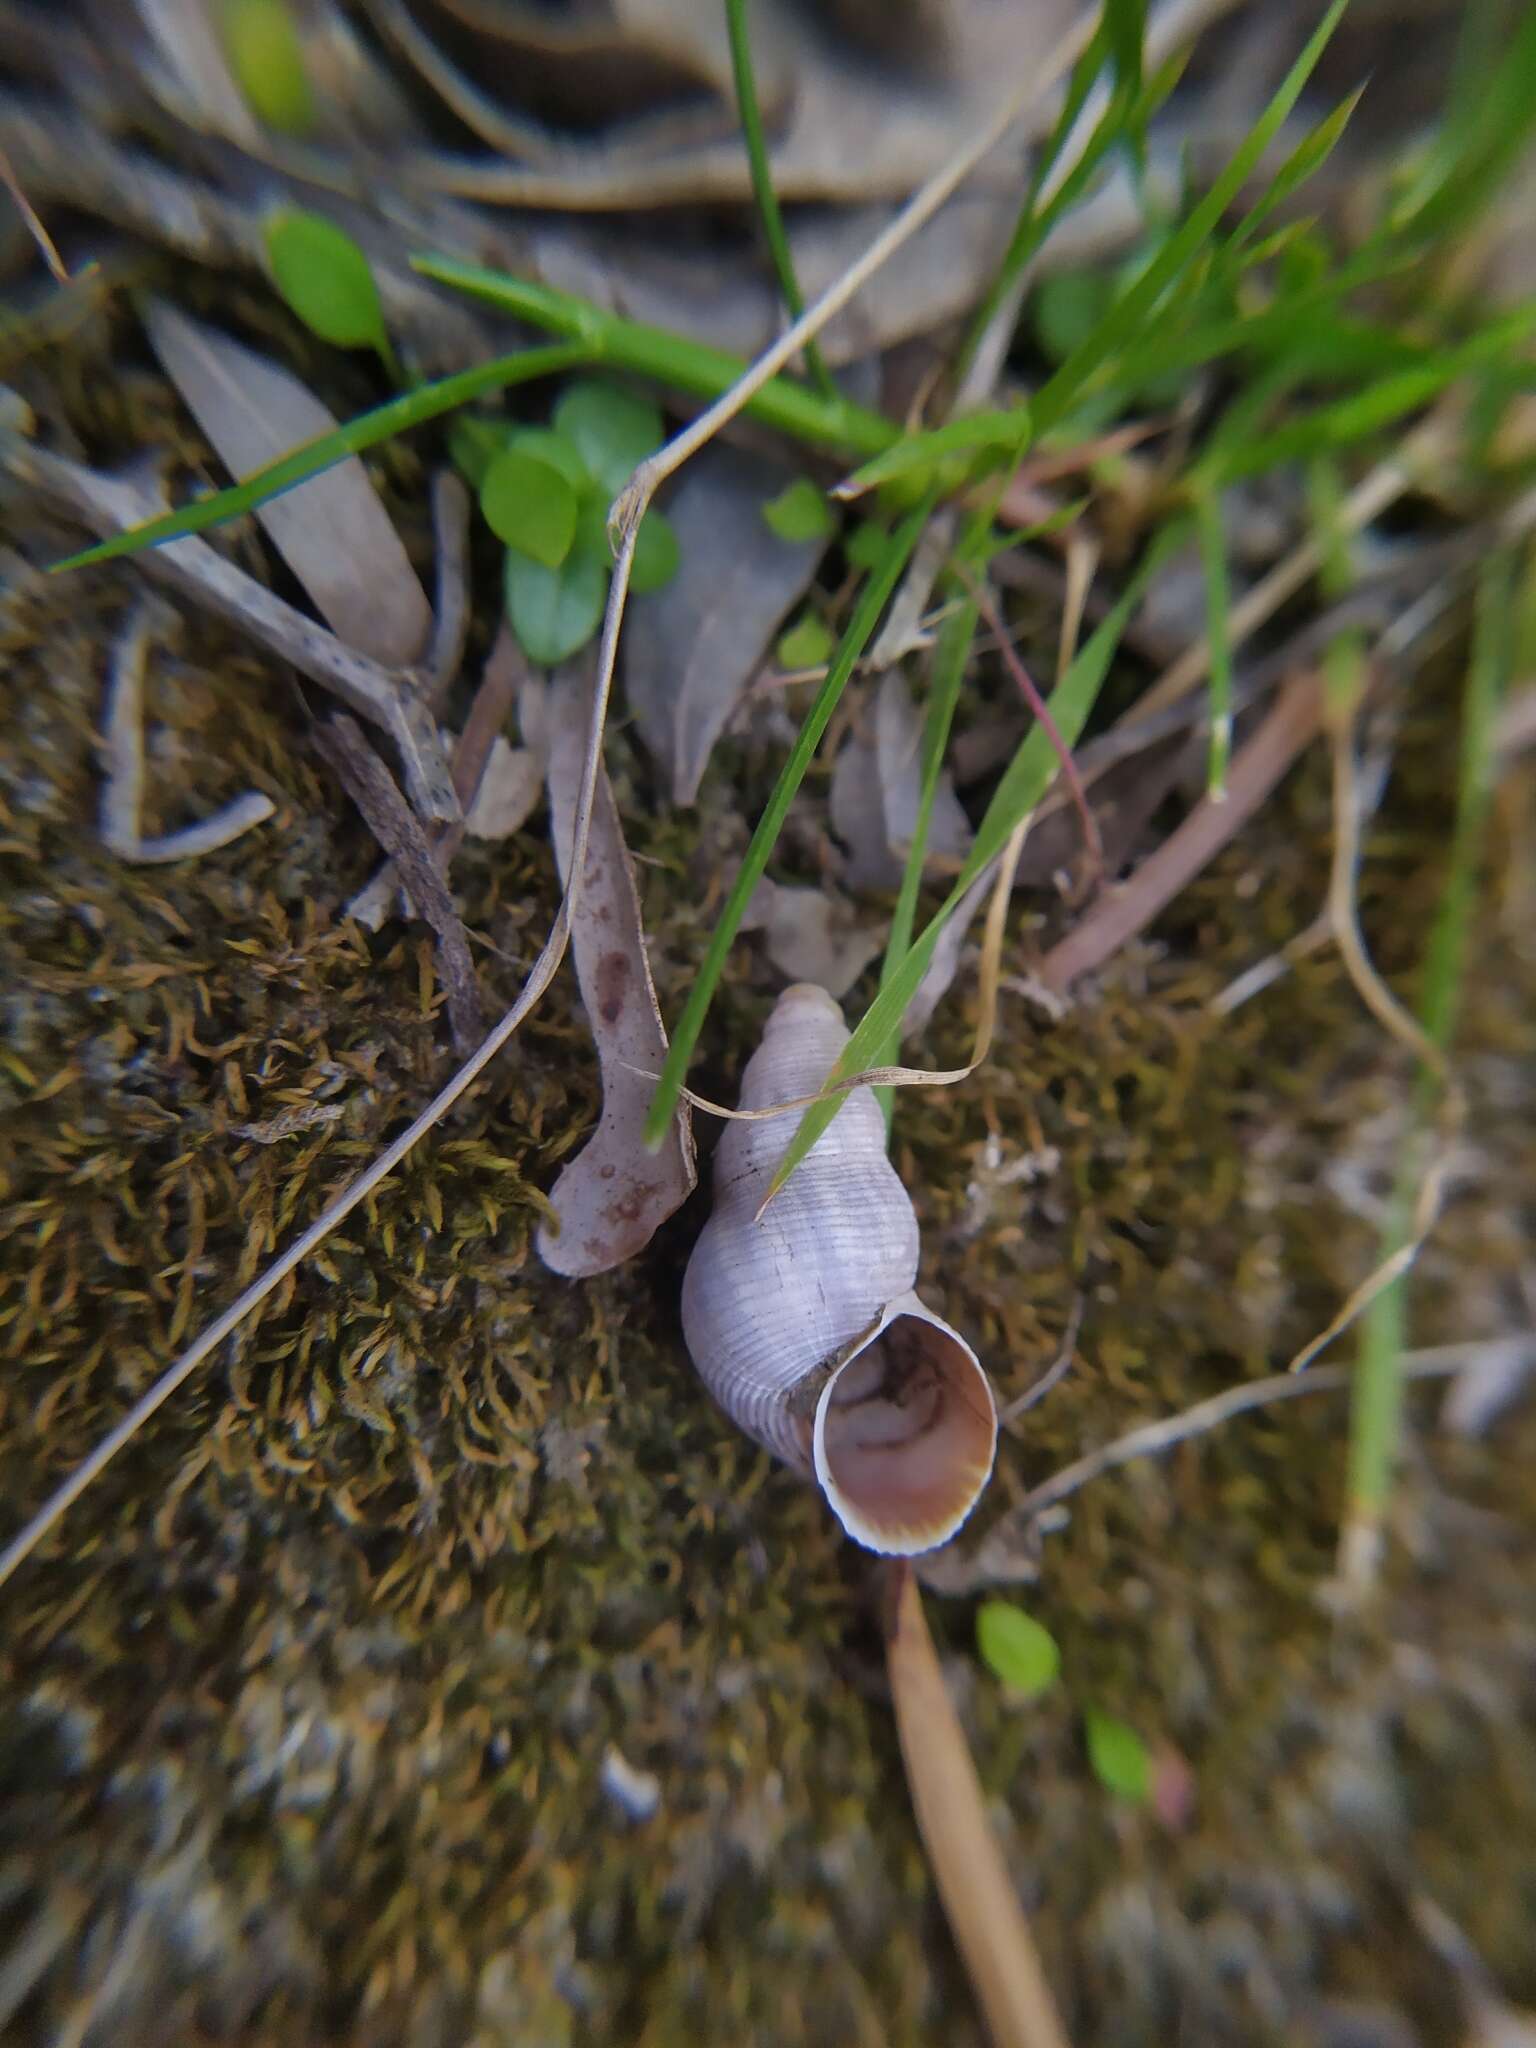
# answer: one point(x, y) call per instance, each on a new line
point(1118, 1757)
point(1016, 1648)
point(325, 278)
point(800, 513)
point(806, 644)
point(545, 491)
point(265, 55)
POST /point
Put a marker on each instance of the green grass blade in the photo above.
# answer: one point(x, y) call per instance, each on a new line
point(1006, 429)
point(670, 359)
point(1218, 607)
point(1035, 221)
point(1378, 405)
point(1307, 158)
point(1028, 776)
point(866, 617)
point(951, 656)
point(1376, 1399)
point(426, 402)
point(750, 115)
point(1126, 317)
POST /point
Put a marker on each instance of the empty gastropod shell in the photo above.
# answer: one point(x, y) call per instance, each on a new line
point(804, 1324)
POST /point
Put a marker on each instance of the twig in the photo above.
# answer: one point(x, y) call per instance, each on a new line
point(450, 612)
point(980, 1903)
point(1385, 484)
point(122, 797)
point(982, 599)
point(1343, 909)
point(47, 247)
point(1053, 1375)
point(1256, 769)
point(494, 698)
point(1153, 1438)
point(109, 505)
point(389, 818)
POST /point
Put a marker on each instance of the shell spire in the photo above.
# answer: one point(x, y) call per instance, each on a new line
point(805, 1326)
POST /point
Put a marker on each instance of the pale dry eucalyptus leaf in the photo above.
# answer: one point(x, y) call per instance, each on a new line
point(899, 760)
point(877, 784)
point(332, 531)
point(612, 1197)
point(812, 935)
point(510, 786)
point(693, 647)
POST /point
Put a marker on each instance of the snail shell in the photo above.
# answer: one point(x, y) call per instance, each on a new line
point(804, 1326)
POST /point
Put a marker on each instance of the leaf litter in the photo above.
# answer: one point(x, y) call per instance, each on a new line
point(615, 1194)
point(333, 532)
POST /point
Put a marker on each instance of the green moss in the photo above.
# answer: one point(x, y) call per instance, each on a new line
point(310, 1696)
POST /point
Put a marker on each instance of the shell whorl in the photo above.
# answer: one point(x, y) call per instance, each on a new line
point(777, 1312)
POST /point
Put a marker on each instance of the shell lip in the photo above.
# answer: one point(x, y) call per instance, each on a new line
point(915, 1500)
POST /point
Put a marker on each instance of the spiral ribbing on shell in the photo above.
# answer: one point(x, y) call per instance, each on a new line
point(804, 1325)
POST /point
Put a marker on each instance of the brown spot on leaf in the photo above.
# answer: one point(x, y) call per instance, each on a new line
point(612, 986)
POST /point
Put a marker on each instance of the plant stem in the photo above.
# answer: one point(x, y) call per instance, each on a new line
point(673, 359)
point(949, 663)
point(762, 187)
point(1376, 1404)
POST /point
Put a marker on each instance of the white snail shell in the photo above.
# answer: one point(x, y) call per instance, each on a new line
point(804, 1326)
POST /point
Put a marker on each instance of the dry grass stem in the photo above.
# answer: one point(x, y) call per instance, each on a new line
point(122, 797)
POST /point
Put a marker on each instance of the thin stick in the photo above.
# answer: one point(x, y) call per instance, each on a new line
point(1385, 484)
point(1343, 910)
point(1258, 766)
point(982, 599)
point(47, 247)
point(979, 1900)
point(175, 1375)
point(1152, 1438)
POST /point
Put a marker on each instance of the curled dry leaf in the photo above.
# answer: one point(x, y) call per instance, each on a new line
point(333, 531)
point(812, 935)
point(614, 1194)
point(692, 648)
point(510, 785)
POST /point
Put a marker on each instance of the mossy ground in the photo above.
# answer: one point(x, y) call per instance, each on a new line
point(308, 1700)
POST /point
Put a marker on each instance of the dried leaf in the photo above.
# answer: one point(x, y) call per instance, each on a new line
point(858, 818)
point(812, 935)
point(333, 532)
point(510, 786)
point(614, 1194)
point(692, 648)
point(898, 757)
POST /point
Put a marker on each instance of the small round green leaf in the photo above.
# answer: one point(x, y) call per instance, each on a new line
point(656, 554)
point(1068, 306)
point(554, 612)
point(1016, 1648)
point(807, 644)
point(530, 506)
point(474, 442)
point(267, 59)
point(1118, 1756)
point(325, 278)
point(558, 450)
point(799, 512)
point(866, 544)
point(614, 429)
